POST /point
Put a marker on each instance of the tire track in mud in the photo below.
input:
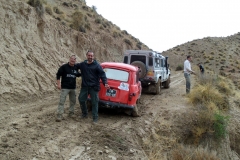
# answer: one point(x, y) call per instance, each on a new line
point(176, 80)
point(35, 127)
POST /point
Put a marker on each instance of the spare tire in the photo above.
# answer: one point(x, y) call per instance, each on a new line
point(142, 68)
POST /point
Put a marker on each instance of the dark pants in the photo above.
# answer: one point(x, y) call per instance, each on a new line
point(94, 100)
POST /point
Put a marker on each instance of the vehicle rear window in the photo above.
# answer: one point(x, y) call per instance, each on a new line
point(138, 58)
point(116, 74)
point(150, 61)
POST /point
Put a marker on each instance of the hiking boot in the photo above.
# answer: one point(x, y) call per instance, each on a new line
point(95, 121)
point(71, 115)
point(84, 117)
point(59, 118)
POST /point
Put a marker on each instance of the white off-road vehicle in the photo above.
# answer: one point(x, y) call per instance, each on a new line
point(154, 69)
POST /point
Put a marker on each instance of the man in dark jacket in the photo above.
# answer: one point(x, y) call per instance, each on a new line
point(68, 73)
point(201, 68)
point(91, 73)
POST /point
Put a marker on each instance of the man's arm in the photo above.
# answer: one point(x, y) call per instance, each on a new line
point(188, 68)
point(58, 76)
point(58, 84)
point(103, 77)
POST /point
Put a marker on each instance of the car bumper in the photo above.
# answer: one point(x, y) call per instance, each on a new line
point(113, 105)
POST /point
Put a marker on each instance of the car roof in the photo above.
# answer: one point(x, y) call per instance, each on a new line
point(119, 65)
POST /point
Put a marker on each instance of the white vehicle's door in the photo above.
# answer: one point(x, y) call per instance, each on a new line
point(163, 70)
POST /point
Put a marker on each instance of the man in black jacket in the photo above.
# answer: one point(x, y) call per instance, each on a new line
point(68, 73)
point(91, 73)
point(201, 68)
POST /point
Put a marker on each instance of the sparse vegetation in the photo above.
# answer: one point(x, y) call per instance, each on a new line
point(128, 41)
point(48, 9)
point(38, 4)
point(77, 20)
point(57, 10)
point(125, 32)
point(179, 67)
point(98, 20)
point(210, 96)
point(184, 152)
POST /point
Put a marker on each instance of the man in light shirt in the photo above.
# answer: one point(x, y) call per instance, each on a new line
point(187, 73)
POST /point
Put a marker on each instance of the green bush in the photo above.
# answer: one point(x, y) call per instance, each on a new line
point(220, 126)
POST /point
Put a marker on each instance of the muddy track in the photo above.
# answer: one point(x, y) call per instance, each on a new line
point(29, 130)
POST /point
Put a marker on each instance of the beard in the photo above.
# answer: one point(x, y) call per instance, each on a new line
point(90, 60)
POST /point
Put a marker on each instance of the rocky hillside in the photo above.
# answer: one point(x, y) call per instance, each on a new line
point(219, 55)
point(34, 43)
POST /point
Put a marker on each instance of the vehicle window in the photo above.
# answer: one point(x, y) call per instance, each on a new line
point(115, 74)
point(125, 59)
point(157, 62)
point(138, 58)
point(150, 61)
point(162, 63)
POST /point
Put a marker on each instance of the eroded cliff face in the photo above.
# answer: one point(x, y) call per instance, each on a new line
point(32, 48)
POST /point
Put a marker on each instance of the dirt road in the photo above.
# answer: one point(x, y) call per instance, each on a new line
point(29, 130)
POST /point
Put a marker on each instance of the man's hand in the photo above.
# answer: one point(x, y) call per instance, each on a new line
point(107, 86)
point(193, 73)
point(59, 86)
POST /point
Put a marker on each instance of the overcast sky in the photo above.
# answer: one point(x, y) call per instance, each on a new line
point(163, 24)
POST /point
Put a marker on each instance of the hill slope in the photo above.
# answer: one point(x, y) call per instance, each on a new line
point(219, 55)
point(33, 47)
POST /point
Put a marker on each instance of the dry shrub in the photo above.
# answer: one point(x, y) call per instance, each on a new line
point(190, 153)
point(115, 34)
point(48, 9)
point(209, 97)
point(224, 87)
point(128, 41)
point(38, 4)
point(179, 67)
point(196, 126)
point(57, 10)
point(212, 88)
point(77, 20)
point(204, 94)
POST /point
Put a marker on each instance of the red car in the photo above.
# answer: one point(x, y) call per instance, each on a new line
point(125, 87)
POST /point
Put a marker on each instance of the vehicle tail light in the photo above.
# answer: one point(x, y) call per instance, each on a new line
point(150, 73)
point(131, 95)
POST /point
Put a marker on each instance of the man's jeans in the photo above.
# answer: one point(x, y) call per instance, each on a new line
point(94, 100)
point(72, 99)
point(188, 82)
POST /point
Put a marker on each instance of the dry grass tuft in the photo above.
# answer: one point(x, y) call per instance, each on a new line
point(189, 153)
point(205, 94)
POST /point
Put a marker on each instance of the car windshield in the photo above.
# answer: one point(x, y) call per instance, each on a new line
point(116, 74)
